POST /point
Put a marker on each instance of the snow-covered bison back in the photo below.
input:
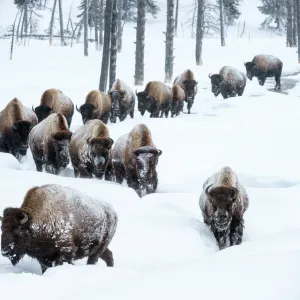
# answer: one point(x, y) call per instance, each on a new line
point(230, 82)
point(223, 202)
point(57, 224)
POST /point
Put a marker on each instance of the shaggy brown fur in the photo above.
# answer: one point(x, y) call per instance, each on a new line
point(223, 202)
point(188, 83)
point(135, 158)
point(90, 150)
point(49, 144)
point(53, 100)
point(97, 106)
point(123, 101)
point(16, 122)
point(80, 227)
point(155, 98)
point(177, 100)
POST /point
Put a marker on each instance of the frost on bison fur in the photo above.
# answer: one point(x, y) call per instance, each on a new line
point(54, 101)
point(263, 66)
point(123, 101)
point(57, 224)
point(97, 106)
point(230, 82)
point(177, 100)
point(155, 98)
point(49, 141)
point(16, 121)
point(135, 158)
point(223, 202)
point(90, 150)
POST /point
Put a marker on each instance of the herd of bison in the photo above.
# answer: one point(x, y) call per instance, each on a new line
point(89, 224)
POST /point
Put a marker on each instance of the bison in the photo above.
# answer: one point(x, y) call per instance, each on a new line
point(97, 106)
point(223, 202)
point(229, 82)
point(16, 121)
point(135, 158)
point(54, 101)
point(123, 101)
point(49, 142)
point(155, 98)
point(90, 150)
point(263, 66)
point(177, 100)
point(57, 224)
point(187, 81)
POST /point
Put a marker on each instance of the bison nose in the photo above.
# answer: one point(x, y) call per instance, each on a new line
point(5, 251)
point(189, 98)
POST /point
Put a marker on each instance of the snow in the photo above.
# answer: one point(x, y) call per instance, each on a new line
point(162, 248)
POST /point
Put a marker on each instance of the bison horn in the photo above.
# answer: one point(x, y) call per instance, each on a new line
point(136, 92)
point(33, 108)
point(235, 194)
point(206, 190)
point(25, 219)
point(77, 108)
point(209, 75)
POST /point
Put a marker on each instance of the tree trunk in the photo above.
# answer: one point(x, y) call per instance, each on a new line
point(222, 23)
point(79, 32)
point(52, 23)
point(85, 28)
point(199, 35)
point(61, 21)
point(113, 45)
point(295, 22)
point(19, 23)
point(193, 18)
point(106, 46)
point(298, 28)
point(13, 36)
point(176, 17)
point(289, 31)
point(25, 21)
point(119, 26)
point(169, 59)
point(101, 17)
point(140, 42)
point(96, 25)
point(74, 30)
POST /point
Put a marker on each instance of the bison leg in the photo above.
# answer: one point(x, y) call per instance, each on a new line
point(189, 105)
point(107, 256)
point(39, 165)
point(167, 112)
point(105, 117)
point(108, 172)
point(262, 79)
point(236, 231)
point(277, 80)
point(241, 91)
point(161, 114)
point(222, 237)
point(131, 113)
point(119, 172)
point(84, 173)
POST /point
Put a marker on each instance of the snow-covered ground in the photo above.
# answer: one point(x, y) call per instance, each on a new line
point(162, 249)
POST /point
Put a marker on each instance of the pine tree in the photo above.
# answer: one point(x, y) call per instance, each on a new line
point(130, 6)
point(276, 13)
point(231, 11)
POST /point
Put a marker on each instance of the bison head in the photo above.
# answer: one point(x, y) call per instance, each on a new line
point(250, 68)
point(14, 234)
point(216, 81)
point(221, 200)
point(88, 112)
point(20, 132)
point(100, 154)
point(143, 102)
point(61, 140)
point(190, 89)
point(116, 98)
point(42, 112)
point(146, 160)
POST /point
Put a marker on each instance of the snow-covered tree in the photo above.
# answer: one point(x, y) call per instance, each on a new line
point(130, 9)
point(231, 11)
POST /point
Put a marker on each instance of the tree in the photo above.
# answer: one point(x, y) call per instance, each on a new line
point(221, 7)
point(289, 31)
point(176, 17)
point(231, 11)
point(113, 46)
point(85, 27)
point(169, 59)
point(140, 42)
point(62, 38)
point(106, 46)
point(298, 27)
point(275, 10)
point(295, 22)
point(130, 12)
point(120, 24)
point(200, 30)
point(52, 22)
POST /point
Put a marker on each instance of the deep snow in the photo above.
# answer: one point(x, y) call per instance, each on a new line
point(161, 248)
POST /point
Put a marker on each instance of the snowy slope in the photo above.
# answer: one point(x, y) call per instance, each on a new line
point(162, 248)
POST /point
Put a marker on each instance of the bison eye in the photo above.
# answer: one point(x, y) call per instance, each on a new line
point(214, 207)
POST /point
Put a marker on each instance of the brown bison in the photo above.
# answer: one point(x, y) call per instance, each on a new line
point(49, 142)
point(177, 100)
point(16, 121)
point(263, 66)
point(187, 81)
point(97, 106)
point(229, 82)
point(155, 98)
point(223, 202)
point(57, 224)
point(54, 101)
point(123, 101)
point(90, 150)
point(134, 158)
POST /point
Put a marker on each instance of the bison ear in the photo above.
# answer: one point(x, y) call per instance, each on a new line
point(136, 153)
point(110, 143)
